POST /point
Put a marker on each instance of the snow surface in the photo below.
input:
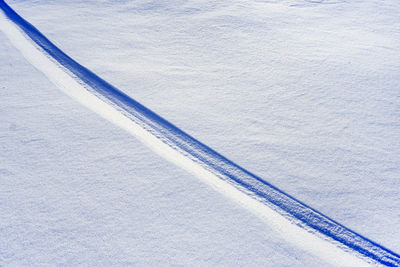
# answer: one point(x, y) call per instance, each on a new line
point(313, 87)
point(76, 189)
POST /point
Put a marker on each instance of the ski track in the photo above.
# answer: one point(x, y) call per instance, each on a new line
point(297, 222)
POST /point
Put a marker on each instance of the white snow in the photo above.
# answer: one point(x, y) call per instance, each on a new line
point(60, 77)
point(76, 190)
point(304, 94)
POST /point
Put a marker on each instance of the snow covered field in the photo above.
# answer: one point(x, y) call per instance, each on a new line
point(304, 94)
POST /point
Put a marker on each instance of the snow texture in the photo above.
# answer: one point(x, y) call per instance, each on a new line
point(311, 136)
point(76, 190)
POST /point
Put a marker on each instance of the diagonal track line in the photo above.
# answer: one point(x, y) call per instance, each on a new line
point(324, 236)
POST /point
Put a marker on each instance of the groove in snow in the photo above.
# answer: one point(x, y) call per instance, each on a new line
point(297, 222)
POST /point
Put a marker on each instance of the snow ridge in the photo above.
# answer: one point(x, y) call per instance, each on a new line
point(187, 152)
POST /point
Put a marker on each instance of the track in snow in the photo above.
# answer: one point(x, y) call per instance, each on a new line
point(328, 238)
